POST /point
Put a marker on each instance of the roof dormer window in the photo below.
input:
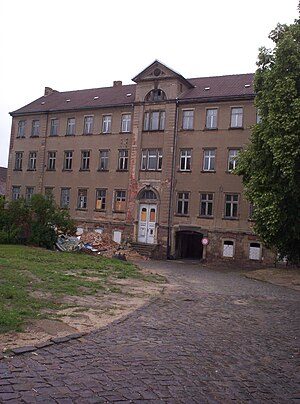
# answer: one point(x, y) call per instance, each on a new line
point(156, 95)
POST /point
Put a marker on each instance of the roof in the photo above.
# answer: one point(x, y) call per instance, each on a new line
point(3, 176)
point(205, 88)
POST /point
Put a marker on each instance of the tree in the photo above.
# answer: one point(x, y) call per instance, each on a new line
point(270, 165)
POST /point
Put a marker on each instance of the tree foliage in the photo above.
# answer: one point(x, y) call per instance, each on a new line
point(270, 165)
point(36, 222)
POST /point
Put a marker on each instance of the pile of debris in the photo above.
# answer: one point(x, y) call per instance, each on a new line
point(98, 244)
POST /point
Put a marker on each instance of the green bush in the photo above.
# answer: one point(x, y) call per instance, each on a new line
point(36, 222)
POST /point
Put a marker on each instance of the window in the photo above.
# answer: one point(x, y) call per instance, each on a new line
point(103, 160)
point(51, 160)
point(21, 129)
point(232, 159)
point(18, 161)
point(209, 157)
point(85, 160)
point(54, 127)
point(100, 199)
point(211, 118)
point(32, 161)
point(182, 203)
point(206, 204)
point(154, 121)
point(65, 198)
point(49, 193)
point(126, 123)
point(148, 194)
point(231, 206)
point(29, 193)
point(35, 128)
point(255, 251)
point(68, 160)
point(71, 126)
point(106, 124)
point(123, 160)
point(151, 159)
point(258, 117)
point(120, 201)
point(187, 119)
point(185, 160)
point(228, 248)
point(16, 193)
point(155, 95)
point(251, 211)
point(82, 199)
point(236, 118)
point(88, 125)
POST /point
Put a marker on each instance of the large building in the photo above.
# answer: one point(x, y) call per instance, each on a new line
point(150, 163)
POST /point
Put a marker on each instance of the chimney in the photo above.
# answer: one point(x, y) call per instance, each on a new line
point(117, 83)
point(48, 91)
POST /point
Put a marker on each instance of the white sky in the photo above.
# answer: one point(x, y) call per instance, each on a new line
point(77, 44)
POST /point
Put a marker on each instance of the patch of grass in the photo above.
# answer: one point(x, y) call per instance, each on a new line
point(26, 269)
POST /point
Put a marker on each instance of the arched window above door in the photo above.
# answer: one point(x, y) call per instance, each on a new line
point(156, 95)
point(148, 194)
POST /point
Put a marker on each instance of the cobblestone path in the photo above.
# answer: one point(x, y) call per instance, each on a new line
point(213, 337)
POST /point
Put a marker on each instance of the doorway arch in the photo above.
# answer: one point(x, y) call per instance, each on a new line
point(189, 244)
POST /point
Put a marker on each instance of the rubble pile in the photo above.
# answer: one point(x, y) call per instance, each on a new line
point(98, 244)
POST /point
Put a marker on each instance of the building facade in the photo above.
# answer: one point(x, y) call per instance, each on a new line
point(150, 163)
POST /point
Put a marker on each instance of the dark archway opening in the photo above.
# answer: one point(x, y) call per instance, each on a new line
point(189, 245)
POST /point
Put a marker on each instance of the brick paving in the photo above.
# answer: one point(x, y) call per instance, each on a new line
point(212, 337)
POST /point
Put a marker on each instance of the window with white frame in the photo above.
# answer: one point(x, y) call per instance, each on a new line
point(206, 204)
point(51, 160)
point(103, 160)
point(54, 127)
point(82, 198)
point(120, 201)
point(35, 128)
point(232, 159)
point(29, 193)
point(209, 157)
point(32, 161)
point(21, 129)
point(123, 160)
point(16, 192)
point(255, 251)
point(68, 160)
point(236, 120)
point(211, 118)
point(85, 160)
point(18, 161)
point(126, 123)
point(106, 123)
point(182, 203)
point(100, 199)
point(188, 119)
point(154, 121)
point(185, 159)
point(231, 206)
point(151, 160)
point(65, 198)
point(88, 125)
point(228, 248)
point(71, 126)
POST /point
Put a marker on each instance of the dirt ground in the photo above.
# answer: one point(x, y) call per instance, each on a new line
point(88, 313)
point(93, 312)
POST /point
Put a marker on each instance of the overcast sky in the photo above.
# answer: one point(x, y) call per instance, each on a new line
point(77, 44)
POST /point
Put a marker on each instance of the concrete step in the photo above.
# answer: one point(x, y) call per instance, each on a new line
point(144, 249)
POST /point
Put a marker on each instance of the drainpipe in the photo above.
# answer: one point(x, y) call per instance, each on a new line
point(170, 215)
